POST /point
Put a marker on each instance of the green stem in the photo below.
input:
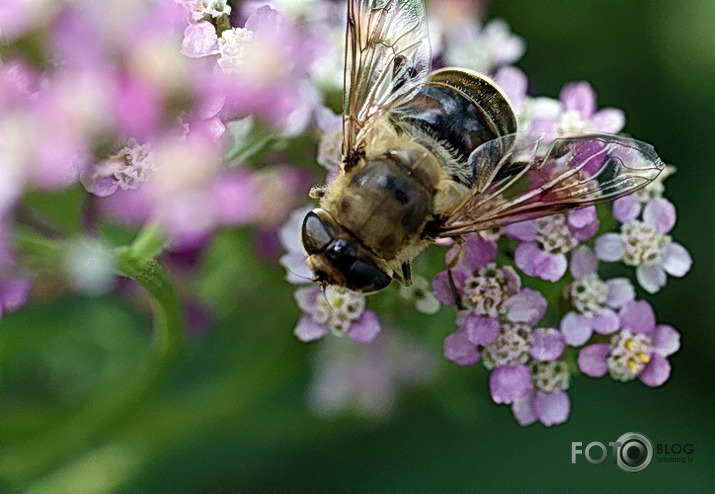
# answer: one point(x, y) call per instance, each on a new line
point(135, 261)
point(36, 245)
point(233, 400)
point(150, 242)
point(40, 253)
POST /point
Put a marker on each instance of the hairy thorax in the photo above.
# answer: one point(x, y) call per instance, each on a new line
point(388, 197)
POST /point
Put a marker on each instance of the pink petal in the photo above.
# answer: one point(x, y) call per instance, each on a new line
point(576, 329)
point(58, 162)
point(14, 293)
point(236, 197)
point(297, 271)
point(306, 297)
point(638, 316)
point(588, 231)
point(579, 97)
point(677, 261)
point(508, 383)
point(366, 328)
point(604, 322)
point(442, 288)
point(626, 209)
point(592, 360)
point(477, 253)
point(101, 187)
point(583, 223)
point(609, 247)
point(582, 217)
point(610, 120)
point(651, 278)
point(523, 410)
point(512, 279)
point(551, 267)
point(542, 128)
point(656, 372)
point(535, 262)
point(138, 108)
point(130, 207)
point(328, 122)
point(666, 340)
point(583, 262)
point(552, 408)
point(200, 40)
point(460, 350)
point(661, 213)
point(548, 344)
point(480, 330)
point(527, 306)
point(309, 330)
point(620, 291)
point(513, 82)
point(290, 233)
point(523, 231)
point(213, 127)
point(265, 22)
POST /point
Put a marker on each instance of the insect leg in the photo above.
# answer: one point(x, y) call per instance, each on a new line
point(455, 293)
point(406, 273)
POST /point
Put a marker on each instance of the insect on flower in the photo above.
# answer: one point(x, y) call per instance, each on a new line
point(434, 155)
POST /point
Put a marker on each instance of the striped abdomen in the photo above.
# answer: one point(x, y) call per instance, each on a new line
point(451, 114)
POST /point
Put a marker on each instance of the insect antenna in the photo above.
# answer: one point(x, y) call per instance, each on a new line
point(302, 277)
point(323, 288)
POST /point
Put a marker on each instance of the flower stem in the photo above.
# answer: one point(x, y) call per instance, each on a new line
point(150, 242)
point(137, 262)
point(111, 406)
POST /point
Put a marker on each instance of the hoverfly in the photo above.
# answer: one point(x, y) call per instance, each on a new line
point(432, 155)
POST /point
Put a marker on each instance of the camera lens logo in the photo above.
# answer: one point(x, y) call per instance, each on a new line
point(635, 452)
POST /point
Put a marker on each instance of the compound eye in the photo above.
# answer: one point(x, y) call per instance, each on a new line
point(364, 276)
point(316, 234)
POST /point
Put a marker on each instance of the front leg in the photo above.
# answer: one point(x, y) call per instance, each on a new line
point(452, 263)
point(404, 274)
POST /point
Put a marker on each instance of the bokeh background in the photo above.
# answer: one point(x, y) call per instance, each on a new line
point(233, 416)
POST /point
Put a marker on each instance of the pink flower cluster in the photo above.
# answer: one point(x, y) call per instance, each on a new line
point(524, 332)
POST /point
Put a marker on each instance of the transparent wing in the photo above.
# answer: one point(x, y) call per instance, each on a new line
point(519, 179)
point(387, 53)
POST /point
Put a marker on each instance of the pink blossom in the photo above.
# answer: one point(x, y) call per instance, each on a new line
point(639, 349)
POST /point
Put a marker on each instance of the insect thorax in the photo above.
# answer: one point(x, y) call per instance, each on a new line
point(386, 201)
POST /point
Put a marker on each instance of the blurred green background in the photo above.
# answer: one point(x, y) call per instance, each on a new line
point(233, 417)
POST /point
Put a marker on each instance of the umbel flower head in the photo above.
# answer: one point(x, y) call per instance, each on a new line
point(337, 312)
point(645, 244)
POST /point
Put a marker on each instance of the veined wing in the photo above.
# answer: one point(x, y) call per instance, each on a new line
point(387, 54)
point(520, 179)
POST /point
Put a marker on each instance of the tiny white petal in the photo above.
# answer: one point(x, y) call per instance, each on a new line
point(651, 278)
point(666, 340)
point(427, 305)
point(609, 247)
point(677, 260)
point(576, 329)
point(583, 262)
point(620, 291)
point(611, 120)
